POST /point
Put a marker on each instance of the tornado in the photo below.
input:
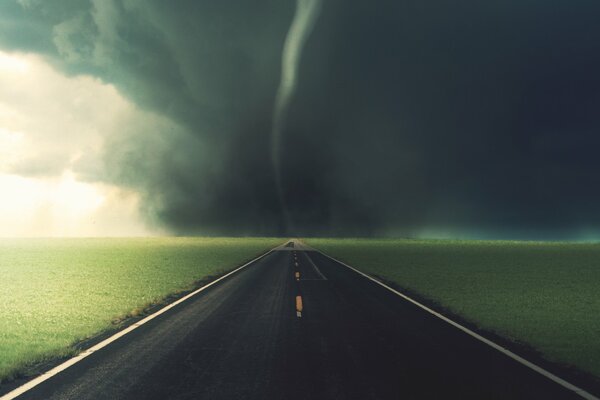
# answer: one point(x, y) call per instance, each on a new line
point(307, 12)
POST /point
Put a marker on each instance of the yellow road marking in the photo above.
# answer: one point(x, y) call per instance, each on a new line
point(297, 276)
point(299, 303)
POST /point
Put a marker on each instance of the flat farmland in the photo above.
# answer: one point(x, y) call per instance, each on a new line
point(545, 295)
point(57, 292)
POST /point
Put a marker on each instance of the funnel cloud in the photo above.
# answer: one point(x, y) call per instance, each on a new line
point(307, 12)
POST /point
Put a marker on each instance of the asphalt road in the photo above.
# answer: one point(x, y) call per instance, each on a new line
point(244, 338)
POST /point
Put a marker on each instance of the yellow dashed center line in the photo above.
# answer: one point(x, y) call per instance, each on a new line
point(299, 306)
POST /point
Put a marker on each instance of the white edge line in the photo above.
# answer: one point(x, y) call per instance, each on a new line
point(505, 351)
point(315, 267)
point(59, 368)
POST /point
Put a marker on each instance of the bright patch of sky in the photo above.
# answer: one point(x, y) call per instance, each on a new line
point(52, 131)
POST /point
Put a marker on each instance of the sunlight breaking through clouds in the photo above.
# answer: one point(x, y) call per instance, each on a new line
point(52, 131)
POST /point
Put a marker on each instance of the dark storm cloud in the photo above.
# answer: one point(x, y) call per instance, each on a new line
point(211, 67)
point(453, 116)
point(409, 117)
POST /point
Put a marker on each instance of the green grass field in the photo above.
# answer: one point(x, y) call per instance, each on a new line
point(546, 295)
point(55, 292)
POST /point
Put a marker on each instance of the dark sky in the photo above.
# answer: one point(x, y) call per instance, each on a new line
point(411, 118)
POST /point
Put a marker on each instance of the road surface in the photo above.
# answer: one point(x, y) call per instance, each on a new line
point(267, 332)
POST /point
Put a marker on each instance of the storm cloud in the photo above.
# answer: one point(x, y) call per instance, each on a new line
point(409, 117)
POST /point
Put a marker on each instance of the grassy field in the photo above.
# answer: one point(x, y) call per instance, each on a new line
point(55, 292)
point(544, 294)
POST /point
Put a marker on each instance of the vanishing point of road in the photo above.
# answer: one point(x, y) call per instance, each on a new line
point(296, 324)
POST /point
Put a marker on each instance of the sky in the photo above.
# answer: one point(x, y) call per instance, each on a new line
point(421, 118)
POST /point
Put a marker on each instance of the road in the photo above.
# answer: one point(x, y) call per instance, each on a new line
point(248, 337)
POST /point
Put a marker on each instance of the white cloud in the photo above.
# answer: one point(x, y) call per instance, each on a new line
point(73, 38)
point(91, 36)
point(105, 16)
point(52, 132)
point(54, 114)
point(27, 4)
point(64, 206)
